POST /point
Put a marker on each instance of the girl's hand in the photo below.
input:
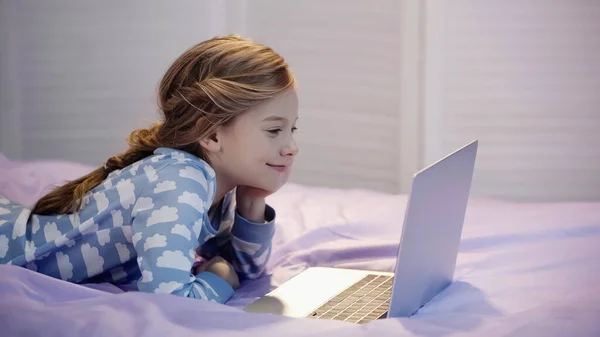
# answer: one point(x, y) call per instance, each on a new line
point(251, 203)
point(223, 269)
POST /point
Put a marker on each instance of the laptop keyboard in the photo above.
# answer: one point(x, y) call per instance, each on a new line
point(365, 301)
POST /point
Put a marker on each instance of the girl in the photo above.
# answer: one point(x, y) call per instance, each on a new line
point(192, 185)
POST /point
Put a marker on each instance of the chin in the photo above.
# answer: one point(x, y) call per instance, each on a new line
point(271, 187)
point(266, 182)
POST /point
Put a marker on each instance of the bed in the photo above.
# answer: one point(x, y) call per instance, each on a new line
point(523, 270)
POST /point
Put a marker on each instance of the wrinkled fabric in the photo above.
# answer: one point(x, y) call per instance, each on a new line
point(522, 270)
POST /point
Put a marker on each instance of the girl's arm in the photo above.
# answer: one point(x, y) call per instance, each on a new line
point(248, 247)
point(167, 226)
point(251, 243)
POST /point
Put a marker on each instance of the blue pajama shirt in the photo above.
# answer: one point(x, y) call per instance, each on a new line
point(143, 226)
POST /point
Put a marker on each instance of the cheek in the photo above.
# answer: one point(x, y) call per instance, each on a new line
point(253, 145)
point(261, 154)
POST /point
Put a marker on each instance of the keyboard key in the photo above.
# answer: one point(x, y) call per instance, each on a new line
point(366, 300)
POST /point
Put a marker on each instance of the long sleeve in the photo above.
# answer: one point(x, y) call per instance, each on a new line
point(169, 220)
point(251, 244)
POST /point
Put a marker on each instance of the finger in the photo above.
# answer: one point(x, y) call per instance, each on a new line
point(202, 266)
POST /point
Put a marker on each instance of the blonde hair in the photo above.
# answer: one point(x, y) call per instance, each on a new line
point(208, 85)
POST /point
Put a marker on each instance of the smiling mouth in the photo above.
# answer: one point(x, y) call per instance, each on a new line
point(279, 168)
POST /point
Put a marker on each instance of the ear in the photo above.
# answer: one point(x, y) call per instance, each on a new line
point(211, 143)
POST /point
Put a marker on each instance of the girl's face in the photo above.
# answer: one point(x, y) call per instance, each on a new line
point(257, 148)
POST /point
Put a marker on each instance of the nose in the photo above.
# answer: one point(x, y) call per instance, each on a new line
point(291, 149)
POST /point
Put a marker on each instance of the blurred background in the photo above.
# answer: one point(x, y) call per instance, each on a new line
point(386, 87)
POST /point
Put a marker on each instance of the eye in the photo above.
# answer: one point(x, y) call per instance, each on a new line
point(274, 132)
point(294, 129)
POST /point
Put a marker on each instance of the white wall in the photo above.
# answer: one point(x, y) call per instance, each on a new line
point(81, 76)
point(384, 89)
point(524, 78)
point(10, 110)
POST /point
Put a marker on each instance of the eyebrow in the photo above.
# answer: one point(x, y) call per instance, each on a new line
point(275, 118)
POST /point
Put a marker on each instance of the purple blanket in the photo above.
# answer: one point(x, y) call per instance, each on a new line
point(523, 270)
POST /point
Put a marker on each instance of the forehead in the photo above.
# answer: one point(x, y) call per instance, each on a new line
point(284, 105)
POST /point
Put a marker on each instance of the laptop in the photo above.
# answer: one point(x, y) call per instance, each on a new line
point(425, 263)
